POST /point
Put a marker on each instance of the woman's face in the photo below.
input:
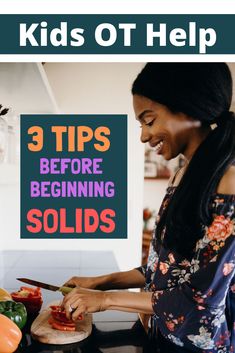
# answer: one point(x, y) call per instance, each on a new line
point(169, 133)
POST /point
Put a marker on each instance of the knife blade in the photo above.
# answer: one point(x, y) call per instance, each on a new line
point(63, 289)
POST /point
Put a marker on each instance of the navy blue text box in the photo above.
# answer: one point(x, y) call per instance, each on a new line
point(42, 25)
point(90, 189)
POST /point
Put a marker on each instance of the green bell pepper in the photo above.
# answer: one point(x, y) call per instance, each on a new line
point(14, 311)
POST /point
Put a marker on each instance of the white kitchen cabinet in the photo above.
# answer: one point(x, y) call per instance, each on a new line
point(25, 90)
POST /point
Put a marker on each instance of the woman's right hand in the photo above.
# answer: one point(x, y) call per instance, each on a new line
point(84, 282)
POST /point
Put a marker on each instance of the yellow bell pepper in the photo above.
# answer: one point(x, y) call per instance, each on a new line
point(4, 295)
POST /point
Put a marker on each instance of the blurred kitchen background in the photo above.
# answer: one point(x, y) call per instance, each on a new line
point(79, 88)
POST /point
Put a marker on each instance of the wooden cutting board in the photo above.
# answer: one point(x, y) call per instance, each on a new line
point(43, 332)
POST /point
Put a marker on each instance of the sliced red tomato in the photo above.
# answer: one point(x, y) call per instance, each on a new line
point(66, 323)
point(51, 321)
point(55, 307)
point(30, 297)
point(59, 314)
point(61, 327)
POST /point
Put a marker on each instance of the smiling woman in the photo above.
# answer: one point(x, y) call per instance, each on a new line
point(190, 274)
point(166, 131)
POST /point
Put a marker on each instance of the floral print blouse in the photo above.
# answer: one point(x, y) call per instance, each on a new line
point(194, 301)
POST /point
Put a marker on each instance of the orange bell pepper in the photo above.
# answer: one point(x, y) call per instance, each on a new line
point(10, 335)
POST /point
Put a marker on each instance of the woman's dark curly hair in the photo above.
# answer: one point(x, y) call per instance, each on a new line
point(202, 91)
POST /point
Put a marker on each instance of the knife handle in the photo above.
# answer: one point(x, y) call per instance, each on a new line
point(65, 290)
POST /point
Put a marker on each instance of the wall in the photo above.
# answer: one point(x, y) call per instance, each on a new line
point(89, 88)
point(154, 191)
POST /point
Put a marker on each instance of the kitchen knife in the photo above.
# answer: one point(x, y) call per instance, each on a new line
point(63, 289)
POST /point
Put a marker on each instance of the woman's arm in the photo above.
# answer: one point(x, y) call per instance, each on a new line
point(81, 301)
point(117, 280)
point(121, 280)
point(129, 301)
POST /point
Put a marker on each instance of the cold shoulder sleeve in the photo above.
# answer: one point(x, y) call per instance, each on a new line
point(199, 310)
point(142, 269)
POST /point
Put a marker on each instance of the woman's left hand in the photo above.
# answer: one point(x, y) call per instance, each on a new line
point(81, 301)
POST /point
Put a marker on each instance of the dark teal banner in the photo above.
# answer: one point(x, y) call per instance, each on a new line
point(117, 34)
point(73, 176)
